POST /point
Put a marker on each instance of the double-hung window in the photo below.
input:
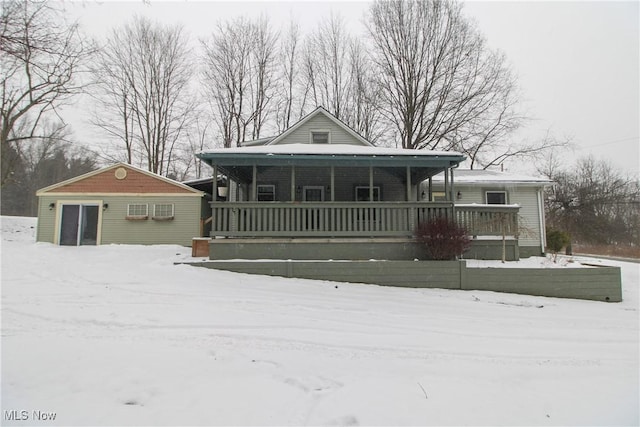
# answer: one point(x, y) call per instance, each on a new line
point(266, 193)
point(496, 197)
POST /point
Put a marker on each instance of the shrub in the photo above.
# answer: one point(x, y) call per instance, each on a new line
point(443, 239)
point(556, 240)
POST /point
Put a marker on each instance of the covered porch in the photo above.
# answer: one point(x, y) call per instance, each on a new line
point(349, 196)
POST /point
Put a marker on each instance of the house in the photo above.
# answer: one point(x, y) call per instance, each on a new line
point(319, 190)
point(477, 190)
point(119, 204)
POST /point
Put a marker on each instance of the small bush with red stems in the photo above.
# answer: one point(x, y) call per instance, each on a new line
point(443, 238)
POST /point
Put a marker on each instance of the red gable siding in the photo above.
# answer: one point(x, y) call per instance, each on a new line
point(134, 182)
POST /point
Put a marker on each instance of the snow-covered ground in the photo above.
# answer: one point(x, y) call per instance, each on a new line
point(118, 335)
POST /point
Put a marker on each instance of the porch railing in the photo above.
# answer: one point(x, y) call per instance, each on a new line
point(326, 219)
point(349, 219)
point(489, 220)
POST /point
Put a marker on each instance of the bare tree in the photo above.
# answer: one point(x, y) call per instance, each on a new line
point(239, 73)
point(290, 102)
point(326, 64)
point(263, 65)
point(40, 57)
point(595, 203)
point(143, 72)
point(198, 135)
point(364, 114)
point(442, 87)
point(42, 162)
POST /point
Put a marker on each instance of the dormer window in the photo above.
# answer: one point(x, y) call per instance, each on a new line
point(319, 136)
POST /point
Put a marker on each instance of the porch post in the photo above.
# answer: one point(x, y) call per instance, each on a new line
point(430, 190)
point(214, 194)
point(447, 194)
point(254, 184)
point(293, 183)
point(333, 184)
point(453, 194)
point(408, 183)
point(453, 199)
point(370, 183)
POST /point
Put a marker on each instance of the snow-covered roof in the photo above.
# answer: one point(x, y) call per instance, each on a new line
point(329, 149)
point(480, 176)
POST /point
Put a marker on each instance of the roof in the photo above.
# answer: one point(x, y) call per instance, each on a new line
point(139, 181)
point(330, 149)
point(481, 176)
point(238, 162)
point(329, 154)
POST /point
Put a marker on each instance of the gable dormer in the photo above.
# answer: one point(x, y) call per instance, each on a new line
point(320, 127)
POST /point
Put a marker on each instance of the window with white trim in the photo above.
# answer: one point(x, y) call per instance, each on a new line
point(320, 137)
point(137, 210)
point(496, 197)
point(266, 193)
point(362, 194)
point(438, 196)
point(163, 210)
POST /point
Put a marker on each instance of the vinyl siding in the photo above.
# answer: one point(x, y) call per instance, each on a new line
point(346, 179)
point(526, 197)
point(302, 135)
point(45, 229)
point(117, 229)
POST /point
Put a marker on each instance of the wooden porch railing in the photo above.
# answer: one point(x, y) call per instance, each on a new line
point(351, 219)
point(325, 219)
point(489, 220)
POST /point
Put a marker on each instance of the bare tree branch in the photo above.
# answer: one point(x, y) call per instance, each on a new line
point(40, 58)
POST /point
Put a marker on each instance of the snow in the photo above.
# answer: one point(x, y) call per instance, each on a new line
point(329, 149)
point(119, 335)
point(479, 176)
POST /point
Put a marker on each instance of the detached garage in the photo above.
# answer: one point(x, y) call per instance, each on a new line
point(119, 204)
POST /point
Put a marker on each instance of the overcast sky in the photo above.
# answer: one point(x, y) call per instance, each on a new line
point(577, 62)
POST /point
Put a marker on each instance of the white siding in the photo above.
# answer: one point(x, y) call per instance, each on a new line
point(526, 197)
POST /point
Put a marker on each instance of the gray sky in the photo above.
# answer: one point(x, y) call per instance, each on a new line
point(578, 63)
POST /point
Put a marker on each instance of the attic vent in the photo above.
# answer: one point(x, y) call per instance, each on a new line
point(121, 173)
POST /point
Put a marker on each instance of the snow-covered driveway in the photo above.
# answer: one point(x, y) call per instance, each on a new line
point(118, 335)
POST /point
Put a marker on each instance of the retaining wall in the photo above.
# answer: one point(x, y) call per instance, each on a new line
point(598, 283)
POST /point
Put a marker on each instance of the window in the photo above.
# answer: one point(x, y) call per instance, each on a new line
point(266, 193)
point(163, 211)
point(496, 197)
point(439, 196)
point(320, 137)
point(137, 211)
point(362, 194)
